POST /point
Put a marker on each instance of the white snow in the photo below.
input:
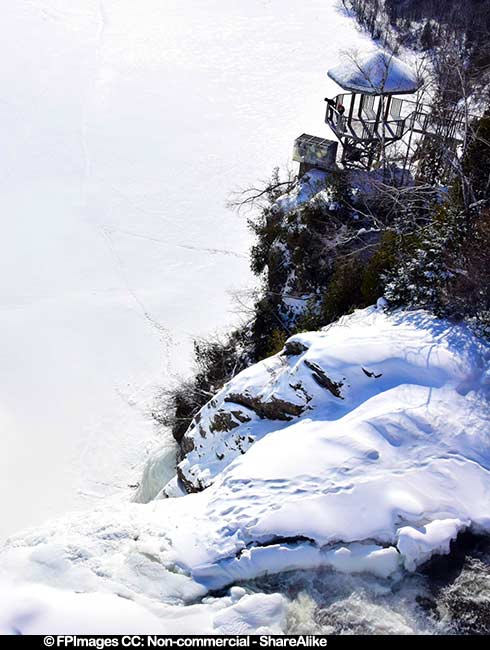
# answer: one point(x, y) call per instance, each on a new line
point(376, 479)
point(375, 72)
point(38, 609)
point(308, 186)
point(419, 544)
point(124, 128)
point(276, 558)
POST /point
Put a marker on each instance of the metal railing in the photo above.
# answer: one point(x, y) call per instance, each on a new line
point(405, 115)
point(364, 129)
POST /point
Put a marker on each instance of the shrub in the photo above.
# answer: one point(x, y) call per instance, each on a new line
point(476, 162)
point(216, 362)
point(310, 319)
point(381, 262)
point(343, 291)
point(421, 269)
point(339, 186)
point(264, 325)
point(266, 228)
point(467, 294)
point(277, 339)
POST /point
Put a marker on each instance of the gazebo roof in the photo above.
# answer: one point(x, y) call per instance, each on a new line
point(376, 73)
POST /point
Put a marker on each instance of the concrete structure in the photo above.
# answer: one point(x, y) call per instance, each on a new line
point(312, 152)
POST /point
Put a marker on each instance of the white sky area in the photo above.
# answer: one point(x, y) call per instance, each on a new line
point(125, 125)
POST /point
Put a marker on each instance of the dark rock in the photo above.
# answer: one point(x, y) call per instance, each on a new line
point(322, 379)
point(186, 445)
point(294, 348)
point(241, 416)
point(300, 388)
point(442, 570)
point(368, 373)
point(274, 409)
point(188, 485)
point(223, 421)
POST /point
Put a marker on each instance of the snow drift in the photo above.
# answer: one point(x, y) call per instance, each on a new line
point(362, 448)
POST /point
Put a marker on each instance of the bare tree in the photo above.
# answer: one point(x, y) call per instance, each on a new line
point(264, 193)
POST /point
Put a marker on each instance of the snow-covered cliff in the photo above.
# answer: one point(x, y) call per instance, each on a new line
point(363, 448)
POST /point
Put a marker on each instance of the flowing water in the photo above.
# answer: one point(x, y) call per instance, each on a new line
point(449, 595)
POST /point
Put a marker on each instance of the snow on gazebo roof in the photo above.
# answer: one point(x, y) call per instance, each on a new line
point(377, 73)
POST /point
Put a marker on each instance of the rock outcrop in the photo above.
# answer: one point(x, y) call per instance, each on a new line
point(318, 375)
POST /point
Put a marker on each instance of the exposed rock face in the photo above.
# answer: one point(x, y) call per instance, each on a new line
point(259, 400)
point(274, 409)
point(320, 375)
point(368, 373)
point(187, 443)
point(190, 482)
point(322, 379)
point(303, 378)
point(223, 421)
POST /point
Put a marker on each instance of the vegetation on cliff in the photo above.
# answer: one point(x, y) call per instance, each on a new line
point(329, 243)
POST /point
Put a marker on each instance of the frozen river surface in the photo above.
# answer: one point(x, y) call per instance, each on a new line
point(125, 125)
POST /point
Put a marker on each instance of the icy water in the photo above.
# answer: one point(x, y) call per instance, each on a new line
point(449, 595)
point(125, 125)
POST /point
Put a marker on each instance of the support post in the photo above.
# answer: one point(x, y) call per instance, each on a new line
point(351, 107)
point(388, 104)
point(378, 113)
point(359, 110)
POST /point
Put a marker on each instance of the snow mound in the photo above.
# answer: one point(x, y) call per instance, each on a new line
point(361, 448)
point(324, 376)
point(375, 73)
